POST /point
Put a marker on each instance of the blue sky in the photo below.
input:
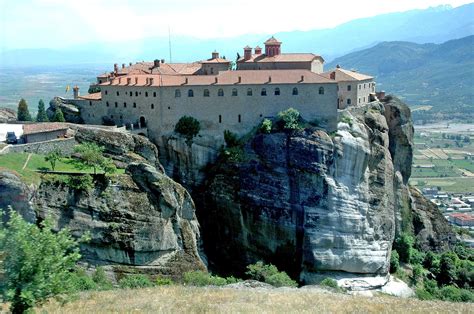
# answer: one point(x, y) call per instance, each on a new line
point(63, 23)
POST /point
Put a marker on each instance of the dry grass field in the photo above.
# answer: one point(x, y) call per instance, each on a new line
point(182, 299)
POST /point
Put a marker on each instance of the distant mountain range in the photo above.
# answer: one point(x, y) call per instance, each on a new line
point(435, 25)
point(438, 75)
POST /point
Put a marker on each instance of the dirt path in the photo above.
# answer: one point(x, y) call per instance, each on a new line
point(26, 162)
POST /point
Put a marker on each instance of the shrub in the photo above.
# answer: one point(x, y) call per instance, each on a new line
point(422, 294)
point(94, 89)
point(135, 281)
point(346, 119)
point(431, 262)
point(394, 262)
point(416, 257)
point(447, 268)
point(188, 126)
point(290, 118)
point(231, 139)
point(162, 281)
point(200, 278)
point(80, 182)
point(269, 274)
point(328, 282)
point(101, 280)
point(404, 245)
point(266, 126)
point(234, 154)
point(38, 262)
point(81, 281)
point(417, 273)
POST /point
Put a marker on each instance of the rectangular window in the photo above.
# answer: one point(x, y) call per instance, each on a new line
point(240, 118)
point(154, 94)
point(220, 119)
point(360, 86)
point(348, 87)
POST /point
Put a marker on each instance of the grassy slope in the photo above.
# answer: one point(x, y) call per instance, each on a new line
point(180, 299)
point(15, 162)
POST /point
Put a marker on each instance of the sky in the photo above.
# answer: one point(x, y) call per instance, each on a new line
point(66, 23)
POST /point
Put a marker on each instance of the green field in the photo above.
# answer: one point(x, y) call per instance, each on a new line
point(16, 162)
point(444, 158)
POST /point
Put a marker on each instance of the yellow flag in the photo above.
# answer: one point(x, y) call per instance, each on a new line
point(68, 88)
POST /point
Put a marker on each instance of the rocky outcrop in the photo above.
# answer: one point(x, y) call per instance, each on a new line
point(311, 202)
point(15, 193)
point(7, 115)
point(70, 111)
point(432, 230)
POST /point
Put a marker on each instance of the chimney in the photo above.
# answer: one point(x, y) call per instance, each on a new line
point(338, 66)
point(247, 53)
point(76, 92)
point(162, 60)
point(123, 65)
point(185, 80)
point(120, 80)
point(136, 80)
point(240, 79)
point(302, 78)
point(215, 55)
point(269, 79)
point(215, 80)
point(258, 50)
point(115, 67)
point(156, 63)
point(130, 64)
point(151, 81)
point(332, 76)
point(129, 80)
point(111, 80)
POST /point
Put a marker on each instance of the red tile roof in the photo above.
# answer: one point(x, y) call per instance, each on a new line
point(342, 75)
point(226, 78)
point(34, 128)
point(272, 41)
point(216, 60)
point(94, 96)
point(463, 216)
point(284, 57)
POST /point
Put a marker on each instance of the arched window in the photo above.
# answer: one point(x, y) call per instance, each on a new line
point(206, 93)
point(107, 103)
point(177, 93)
point(90, 103)
point(154, 94)
point(190, 93)
point(321, 91)
point(263, 92)
point(348, 101)
point(277, 91)
point(295, 91)
point(106, 92)
point(125, 105)
point(131, 94)
point(234, 91)
point(116, 104)
point(249, 92)
point(118, 94)
point(220, 92)
point(152, 106)
point(146, 94)
point(134, 105)
point(136, 94)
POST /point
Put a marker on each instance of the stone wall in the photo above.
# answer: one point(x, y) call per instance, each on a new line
point(65, 145)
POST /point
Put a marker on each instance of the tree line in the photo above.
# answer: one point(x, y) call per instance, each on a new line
point(23, 113)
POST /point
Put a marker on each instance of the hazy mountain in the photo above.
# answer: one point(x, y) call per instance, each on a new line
point(440, 75)
point(435, 25)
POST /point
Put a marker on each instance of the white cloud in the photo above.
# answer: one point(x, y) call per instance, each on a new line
point(52, 23)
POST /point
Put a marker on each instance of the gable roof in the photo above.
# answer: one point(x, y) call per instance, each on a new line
point(342, 75)
point(284, 57)
point(34, 128)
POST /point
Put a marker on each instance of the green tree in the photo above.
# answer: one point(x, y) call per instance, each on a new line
point(266, 126)
point(23, 113)
point(290, 118)
point(58, 115)
point(92, 155)
point(394, 262)
point(404, 247)
point(269, 274)
point(38, 262)
point(52, 157)
point(41, 116)
point(231, 139)
point(188, 126)
point(447, 268)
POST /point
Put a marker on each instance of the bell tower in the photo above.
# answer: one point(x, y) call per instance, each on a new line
point(272, 47)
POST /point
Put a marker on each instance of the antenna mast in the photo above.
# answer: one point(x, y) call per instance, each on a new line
point(169, 42)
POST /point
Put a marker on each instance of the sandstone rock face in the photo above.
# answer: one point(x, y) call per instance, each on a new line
point(7, 115)
point(70, 111)
point(310, 202)
point(14, 193)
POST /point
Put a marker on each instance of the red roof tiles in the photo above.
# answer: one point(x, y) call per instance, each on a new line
point(34, 128)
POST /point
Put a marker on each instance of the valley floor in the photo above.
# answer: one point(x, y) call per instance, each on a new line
point(182, 299)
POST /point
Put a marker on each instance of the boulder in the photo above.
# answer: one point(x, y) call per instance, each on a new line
point(7, 115)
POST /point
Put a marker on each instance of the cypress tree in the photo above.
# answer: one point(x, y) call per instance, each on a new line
point(42, 116)
point(23, 113)
point(58, 116)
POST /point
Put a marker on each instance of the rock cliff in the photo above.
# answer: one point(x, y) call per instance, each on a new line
point(312, 202)
point(140, 219)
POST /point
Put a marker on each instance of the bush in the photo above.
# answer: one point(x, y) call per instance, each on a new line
point(188, 127)
point(83, 183)
point(346, 119)
point(135, 281)
point(200, 278)
point(417, 273)
point(290, 117)
point(422, 294)
point(231, 139)
point(82, 282)
point(431, 263)
point(404, 245)
point(101, 280)
point(269, 274)
point(38, 262)
point(447, 268)
point(266, 126)
point(394, 262)
point(416, 257)
point(328, 282)
point(94, 89)
point(161, 281)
